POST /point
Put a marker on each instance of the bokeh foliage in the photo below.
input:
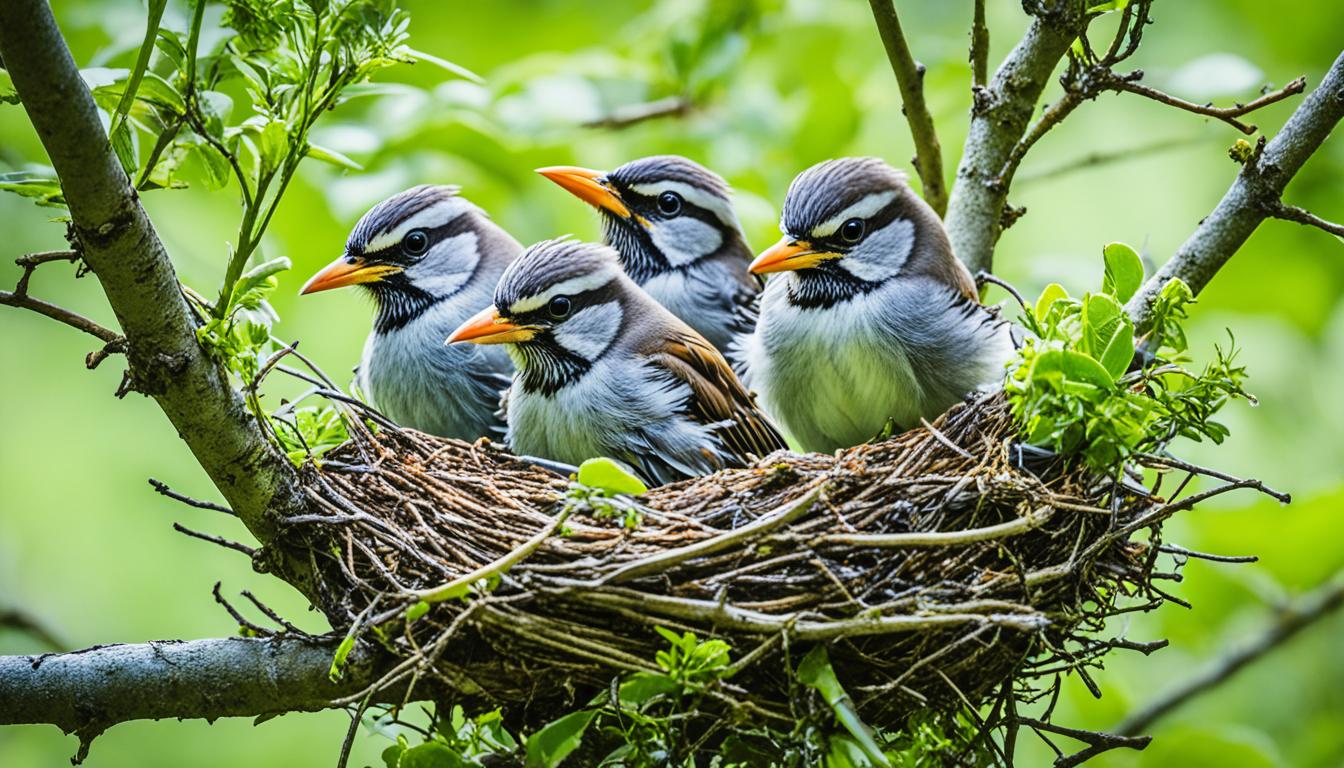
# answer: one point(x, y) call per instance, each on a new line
point(775, 85)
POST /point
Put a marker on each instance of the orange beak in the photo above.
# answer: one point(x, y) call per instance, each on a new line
point(588, 185)
point(487, 327)
point(344, 271)
point(788, 255)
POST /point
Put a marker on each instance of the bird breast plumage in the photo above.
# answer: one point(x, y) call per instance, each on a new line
point(623, 407)
point(832, 377)
point(450, 390)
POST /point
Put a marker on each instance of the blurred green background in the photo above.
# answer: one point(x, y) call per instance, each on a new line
point(87, 547)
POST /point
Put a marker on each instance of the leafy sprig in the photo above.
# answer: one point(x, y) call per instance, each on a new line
point(1074, 387)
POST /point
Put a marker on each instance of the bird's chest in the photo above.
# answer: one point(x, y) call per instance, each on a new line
point(832, 376)
point(415, 379)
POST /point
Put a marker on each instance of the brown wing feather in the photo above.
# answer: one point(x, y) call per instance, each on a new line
point(717, 397)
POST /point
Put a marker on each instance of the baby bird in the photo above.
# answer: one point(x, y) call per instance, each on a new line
point(872, 317)
point(604, 370)
point(672, 222)
point(430, 258)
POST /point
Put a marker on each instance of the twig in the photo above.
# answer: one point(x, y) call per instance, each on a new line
point(1098, 159)
point(910, 79)
point(1097, 742)
point(272, 615)
point(979, 47)
point(1281, 210)
point(458, 585)
point(1228, 115)
point(213, 539)
point(72, 319)
point(242, 620)
point(633, 114)
point(1305, 611)
point(767, 522)
point(31, 261)
point(163, 489)
point(940, 538)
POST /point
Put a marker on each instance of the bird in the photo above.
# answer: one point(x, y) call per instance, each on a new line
point(872, 320)
point(671, 220)
point(603, 370)
point(429, 257)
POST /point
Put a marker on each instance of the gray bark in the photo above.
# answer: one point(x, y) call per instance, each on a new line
point(1252, 196)
point(120, 245)
point(999, 119)
point(84, 692)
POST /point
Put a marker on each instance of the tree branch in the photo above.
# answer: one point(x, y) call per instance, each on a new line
point(979, 47)
point(999, 118)
point(633, 114)
point(85, 692)
point(910, 79)
point(1228, 115)
point(1251, 197)
point(60, 314)
point(120, 246)
point(1281, 210)
point(1305, 611)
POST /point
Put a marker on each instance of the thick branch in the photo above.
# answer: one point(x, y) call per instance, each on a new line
point(999, 119)
point(85, 692)
point(1252, 196)
point(1306, 611)
point(119, 244)
point(910, 80)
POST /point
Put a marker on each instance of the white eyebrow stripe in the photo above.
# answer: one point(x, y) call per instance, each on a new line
point(720, 207)
point(570, 287)
point(863, 209)
point(435, 215)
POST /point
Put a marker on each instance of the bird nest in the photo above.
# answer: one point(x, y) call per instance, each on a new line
point(945, 568)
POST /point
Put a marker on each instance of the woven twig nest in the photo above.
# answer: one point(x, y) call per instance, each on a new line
point(939, 565)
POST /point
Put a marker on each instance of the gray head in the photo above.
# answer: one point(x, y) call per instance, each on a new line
point(659, 213)
point(413, 250)
point(559, 307)
point(849, 226)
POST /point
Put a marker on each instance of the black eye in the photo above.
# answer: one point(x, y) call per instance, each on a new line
point(415, 243)
point(559, 307)
point(852, 231)
point(669, 203)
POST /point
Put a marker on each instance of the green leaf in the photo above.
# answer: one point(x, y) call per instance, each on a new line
point(416, 611)
point(1119, 352)
point(392, 755)
point(123, 144)
point(342, 655)
point(1100, 317)
point(640, 687)
point(1124, 271)
point(1066, 365)
point(272, 145)
point(449, 66)
point(549, 746)
point(44, 190)
point(815, 671)
point(607, 475)
point(328, 155)
point(1052, 292)
point(8, 94)
point(432, 754)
